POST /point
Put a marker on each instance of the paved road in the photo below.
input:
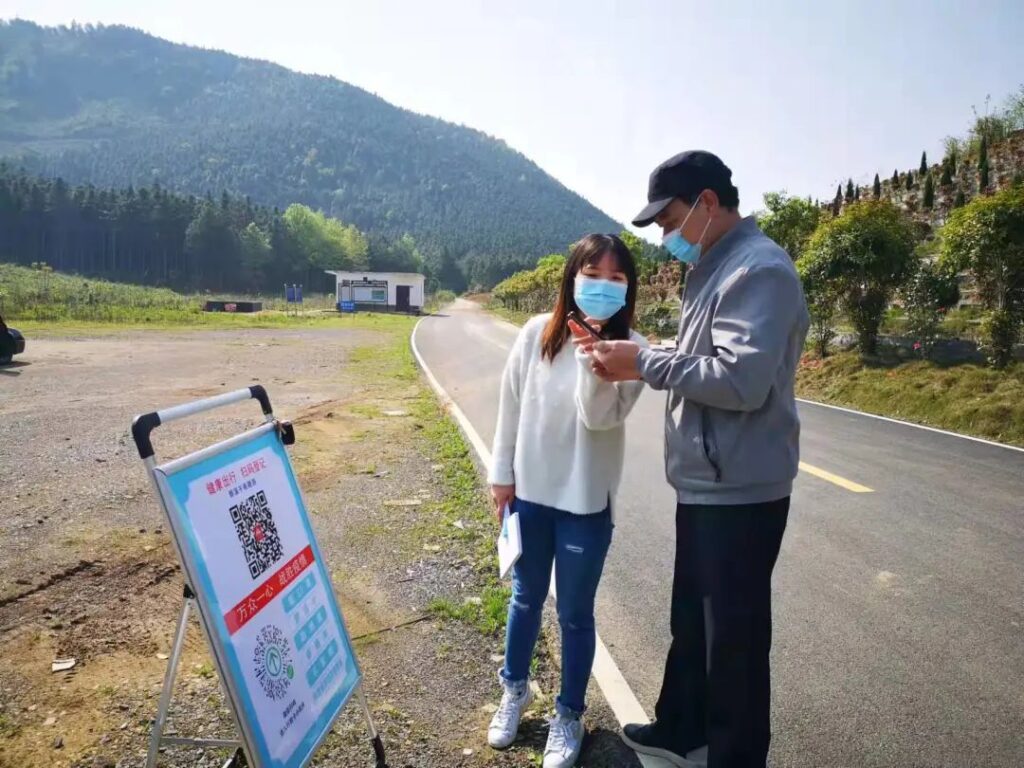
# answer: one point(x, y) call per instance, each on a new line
point(899, 614)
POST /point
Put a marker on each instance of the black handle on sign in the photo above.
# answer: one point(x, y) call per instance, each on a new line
point(259, 393)
point(143, 426)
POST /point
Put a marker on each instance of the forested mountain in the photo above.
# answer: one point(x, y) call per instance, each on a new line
point(114, 107)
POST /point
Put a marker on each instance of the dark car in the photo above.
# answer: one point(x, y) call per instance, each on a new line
point(11, 343)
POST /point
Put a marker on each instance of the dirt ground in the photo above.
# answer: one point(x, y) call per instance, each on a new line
point(88, 572)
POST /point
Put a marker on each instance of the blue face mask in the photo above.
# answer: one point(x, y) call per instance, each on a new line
point(599, 299)
point(680, 247)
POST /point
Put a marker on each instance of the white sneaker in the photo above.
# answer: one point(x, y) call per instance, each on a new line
point(565, 739)
point(505, 723)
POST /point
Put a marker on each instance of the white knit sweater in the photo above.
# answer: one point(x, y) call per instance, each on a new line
point(560, 435)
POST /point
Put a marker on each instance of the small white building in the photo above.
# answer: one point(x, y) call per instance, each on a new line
point(380, 291)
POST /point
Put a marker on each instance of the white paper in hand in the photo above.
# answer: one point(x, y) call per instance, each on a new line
point(510, 542)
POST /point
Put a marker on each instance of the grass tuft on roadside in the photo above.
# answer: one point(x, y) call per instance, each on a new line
point(487, 613)
point(966, 398)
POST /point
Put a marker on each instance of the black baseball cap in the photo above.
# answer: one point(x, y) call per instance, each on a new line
point(688, 173)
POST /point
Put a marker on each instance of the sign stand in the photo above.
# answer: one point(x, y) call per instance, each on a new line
point(294, 586)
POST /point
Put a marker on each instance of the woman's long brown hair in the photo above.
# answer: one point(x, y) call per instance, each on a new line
point(586, 253)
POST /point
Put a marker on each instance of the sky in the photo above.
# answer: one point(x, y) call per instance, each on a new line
point(792, 95)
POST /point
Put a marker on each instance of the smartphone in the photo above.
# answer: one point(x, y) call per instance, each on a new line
point(575, 317)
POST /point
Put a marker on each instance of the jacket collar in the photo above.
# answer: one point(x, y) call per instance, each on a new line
point(743, 229)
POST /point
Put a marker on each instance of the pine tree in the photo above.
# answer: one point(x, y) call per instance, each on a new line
point(959, 201)
point(856, 193)
point(838, 201)
point(947, 177)
point(895, 180)
point(910, 180)
point(877, 188)
point(849, 190)
point(924, 163)
point(929, 191)
point(983, 165)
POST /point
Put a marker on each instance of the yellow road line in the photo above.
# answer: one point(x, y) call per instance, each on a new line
point(842, 482)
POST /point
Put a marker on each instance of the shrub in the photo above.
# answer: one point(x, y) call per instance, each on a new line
point(863, 256)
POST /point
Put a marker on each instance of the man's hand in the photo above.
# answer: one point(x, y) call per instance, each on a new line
point(502, 495)
point(616, 360)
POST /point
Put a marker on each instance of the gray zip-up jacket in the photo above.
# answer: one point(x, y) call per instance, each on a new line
point(731, 426)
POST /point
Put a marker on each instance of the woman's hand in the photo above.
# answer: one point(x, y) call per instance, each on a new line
point(581, 338)
point(502, 495)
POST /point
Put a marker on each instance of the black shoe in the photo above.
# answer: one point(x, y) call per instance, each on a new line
point(649, 740)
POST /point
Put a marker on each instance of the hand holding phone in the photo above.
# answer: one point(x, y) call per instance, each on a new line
point(575, 319)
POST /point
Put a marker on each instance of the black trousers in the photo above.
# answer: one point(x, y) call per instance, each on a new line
point(726, 554)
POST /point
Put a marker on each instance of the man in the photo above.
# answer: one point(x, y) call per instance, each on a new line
point(731, 453)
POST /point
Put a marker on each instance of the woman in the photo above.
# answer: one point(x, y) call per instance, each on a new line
point(557, 459)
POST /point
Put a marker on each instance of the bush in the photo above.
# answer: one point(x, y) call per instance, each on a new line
point(986, 238)
point(532, 291)
point(928, 294)
point(789, 221)
point(658, 318)
point(1001, 329)
point(861, 257)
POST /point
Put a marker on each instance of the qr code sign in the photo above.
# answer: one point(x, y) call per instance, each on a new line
point(257, 533)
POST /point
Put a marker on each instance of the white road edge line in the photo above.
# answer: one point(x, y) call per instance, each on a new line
point(620, 697)
point(912, 424)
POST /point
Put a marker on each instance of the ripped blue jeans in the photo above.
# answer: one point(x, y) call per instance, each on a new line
point(577, 545)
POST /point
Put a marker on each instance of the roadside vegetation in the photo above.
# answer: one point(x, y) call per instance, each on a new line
point(969, 398)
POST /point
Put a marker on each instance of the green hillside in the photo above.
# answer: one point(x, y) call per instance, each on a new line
point(113, 106)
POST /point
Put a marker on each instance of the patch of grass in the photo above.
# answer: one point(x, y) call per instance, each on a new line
point(366, 642)
point(365, 410)
point(967, 398)
point(387, 363)
point(205, 670)
point(487, 615)
point(8, 728)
